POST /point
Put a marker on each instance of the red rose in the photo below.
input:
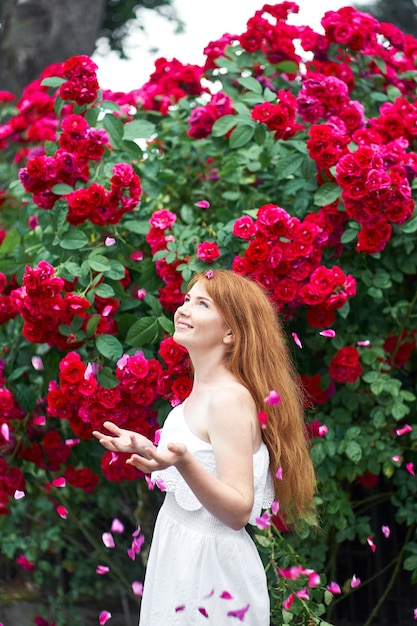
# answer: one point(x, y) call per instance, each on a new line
point(372, 240)
point(345, 366)
point(208, 251)
point(82, 478)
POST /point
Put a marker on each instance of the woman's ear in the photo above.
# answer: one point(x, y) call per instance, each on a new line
point(228, 338)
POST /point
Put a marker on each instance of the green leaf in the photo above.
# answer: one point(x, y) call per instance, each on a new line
point(106, 378)
point(138, 227)
point(288, 166)
point(250, 83)
point(166, 324)
point(53, 81)
point(289, 67)
point(353, 451)
point(74, 240)
point(410, 226)
point(99, 263)
point(223, 125)
point(138, 129)
point(9, 243)
point(61, 189)
point(105, 291)
point(114, 127)
point(410, 563)
point(326, 194)
point(116, 270)
point(109, 346)
point(145, 330)
point(349, 235)
point(328, 597)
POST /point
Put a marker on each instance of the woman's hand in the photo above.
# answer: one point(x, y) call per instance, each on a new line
point(176, 454)
point(123, 440)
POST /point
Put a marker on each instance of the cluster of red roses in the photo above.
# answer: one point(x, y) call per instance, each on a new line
point(279, 117)
point(284, 256)
point(81, 84)
point(86, 404)
point(202, 118)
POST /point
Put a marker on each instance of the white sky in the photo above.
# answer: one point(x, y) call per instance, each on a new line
point(205, 21)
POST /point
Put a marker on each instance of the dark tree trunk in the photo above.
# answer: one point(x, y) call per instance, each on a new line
point(37, 33)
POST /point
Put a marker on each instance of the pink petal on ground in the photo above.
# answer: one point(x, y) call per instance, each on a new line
point(273, 397)
point(296, 340)
point(104, 617)
point(329, 332)
point(239, 613)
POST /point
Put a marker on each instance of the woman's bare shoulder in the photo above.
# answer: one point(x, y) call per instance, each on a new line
point(232, 397)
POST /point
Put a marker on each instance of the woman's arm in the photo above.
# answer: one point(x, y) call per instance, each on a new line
point(231, 430)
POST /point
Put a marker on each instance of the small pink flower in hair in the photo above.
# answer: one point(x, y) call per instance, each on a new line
point(209, 274)
point(297, 340)
point(273, 397)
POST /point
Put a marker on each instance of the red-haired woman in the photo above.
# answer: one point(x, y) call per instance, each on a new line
point(217, 464)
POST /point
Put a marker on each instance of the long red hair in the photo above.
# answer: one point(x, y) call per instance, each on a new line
point(260, 360)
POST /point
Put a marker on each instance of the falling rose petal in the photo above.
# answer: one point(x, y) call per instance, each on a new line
point(150, 483)
point(5, 431)
point(107, 310)
point(278, 473)
point(329, 332)
point(287, 603)
point(108, 540)
point(91, 370)
point(363, 343)
point(415, 613)
point(104, 617)
point(273, 397)
point(323, 430)
point(386, 531)
point(113, 458)
point(160, 484)
point(210, 595)
point(355, 582)
point(203, 611)
point(333, 588)
point(371, 544)
point(18, 495)
point(410, 468)
point(405, 429)
point(209, 274)
point(137, 588)
point(225, 595)
point(109, 241)
point(202, 204)
point(117, 526)
point(137, 256)
point(37, 363)
point(136, 532)
point(296, 340)
point(179, 608)
point(39, 420)
point(72, 442)
point(62, 511)
point(239, 613)
point(59, 482)
point(396, 459)
point(303, 594)
point(263, 418)
point(275, 507)
point(102, 569)
point(264, 521)
point(157, 436)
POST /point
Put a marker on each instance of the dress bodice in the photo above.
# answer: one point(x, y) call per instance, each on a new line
point(177, 430)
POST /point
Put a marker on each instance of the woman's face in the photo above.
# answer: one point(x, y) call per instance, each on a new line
point(198, 323)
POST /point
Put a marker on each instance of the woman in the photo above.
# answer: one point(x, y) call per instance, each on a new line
point(217, 462)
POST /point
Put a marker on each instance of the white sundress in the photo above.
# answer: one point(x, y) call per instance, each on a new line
point(199, 570)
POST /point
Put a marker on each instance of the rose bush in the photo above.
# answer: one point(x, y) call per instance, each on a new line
point(290, 156)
